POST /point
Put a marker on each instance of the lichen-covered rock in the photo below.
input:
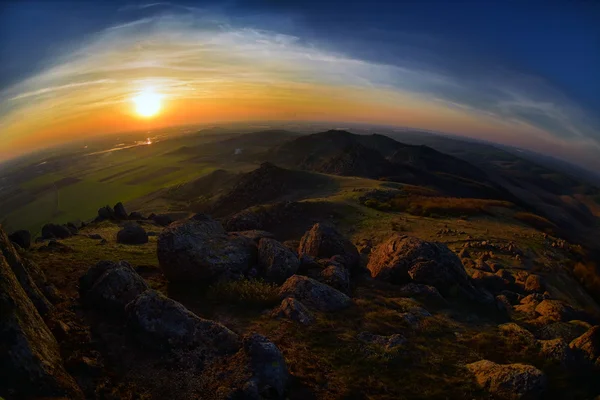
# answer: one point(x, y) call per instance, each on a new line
point(556, 350)
point(275, 261)
point(509, 381)
point(314, 294)
point(111, 286)
point(562, 330)
point(30, 359)
point(267, 366)
point(388, 343)
point(198, 249)
point(164, 324)
point(517, 332)
point(22, 238)
point(26, 273)
point(555, 310)
point(293, 309)
point(132, 233)
point(324, 241)
point(588, 344)
point(119, 211)
point(401, 259)
point(337, 277)
point(534, 284)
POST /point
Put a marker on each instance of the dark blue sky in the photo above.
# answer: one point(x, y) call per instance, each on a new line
point(557, 41)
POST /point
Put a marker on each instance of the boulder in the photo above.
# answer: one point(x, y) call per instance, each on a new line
point(489, 281)
point(72, 228)
point(28, 275)
point(388, 343)
point(136, 215)
point(506, 275)
point(337, 277)
point(534, 284)
point(401, 259)
point(324, 241)
point(509, 381)
point(111, 286)
point(562, 330)
point(314, 294)
point(255, 234)
point(22, 238)
point(518, 333)
point(30, 359)
point(588, 344)
point(198, 249)
point(555, 310)
point(293, 309)
point(164, 324)
point(162, 219)
point(482, 265)
point(120, 212)
point(423, 291)
point(557, 351)
point(132, 233)
point(106, 213)
point(275, 261)
point(54, 231)
point(267, 367)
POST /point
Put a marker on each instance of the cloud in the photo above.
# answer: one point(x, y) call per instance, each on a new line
point(196, 55)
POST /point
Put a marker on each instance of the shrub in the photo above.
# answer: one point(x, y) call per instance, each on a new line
point(253, 292)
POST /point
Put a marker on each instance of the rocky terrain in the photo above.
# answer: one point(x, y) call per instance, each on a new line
point(200, 311)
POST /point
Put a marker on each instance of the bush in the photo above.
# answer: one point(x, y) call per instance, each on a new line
point(253, 292)
point(535, 221)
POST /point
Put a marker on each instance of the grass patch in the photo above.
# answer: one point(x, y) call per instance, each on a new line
point(535, 221)
point(253, 292)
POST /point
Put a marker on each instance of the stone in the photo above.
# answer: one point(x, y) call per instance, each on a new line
point(106, 213)
point(517, 332)
point(509, 381)
point(555, 310)
point(30, 359)
point(337, 277)
point(111, 286)
point(267, 365)
point(314, 294)
point(489, 281)
point(255, 234)
point(557, 351)
point(54, 231)
point(164, 324)
point(162, 219)
point(199, 250)
point(294, 310)
point(561, 330)
point(534, 284)
point(132, 233)
point(136, 215)
point(119, 211)
point(588, 344)
point(324, 241)
point(422, 291)
point(22, 238)
point(275, 261)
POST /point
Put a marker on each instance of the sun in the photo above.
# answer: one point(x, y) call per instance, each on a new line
point(147, 103)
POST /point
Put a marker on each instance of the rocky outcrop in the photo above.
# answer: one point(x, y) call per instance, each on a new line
point(588, 345)
point(164, 324)
point(111, 286)
point(294, 310)
point(401, 259)
point(119, 211)
point(324, 241)
point(275, 261)
point(509, 381)
point(314, 294)
point(337, 277)
point(198, 249)
point(30, 359)
point(22, 238)
point(132, 233)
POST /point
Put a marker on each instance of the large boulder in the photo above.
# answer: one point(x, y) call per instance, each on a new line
point(105, 213)
point(275, 261)
point(120, 212)
point(28, 275)
point(199, 249)
point(401, 259)
point(314, 294)
point(555, 310)
point(490, 281)
point(132, 233)
point(336, 276)
point(324, 241)
point(30, 359)
point(164, 324)
point(294, 310)
point(557, 351)
point(267, 366)
point(534, 284)
point(22, 238)
point(111, 286)
point(509, 381)
point(162, 219)
point(588, 344)
point(54, 231)
point(562, 330)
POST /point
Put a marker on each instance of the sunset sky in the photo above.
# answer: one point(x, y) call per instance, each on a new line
point(519, 73)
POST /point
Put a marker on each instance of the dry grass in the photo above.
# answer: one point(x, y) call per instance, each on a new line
point(254, 292)
point(535, 221)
